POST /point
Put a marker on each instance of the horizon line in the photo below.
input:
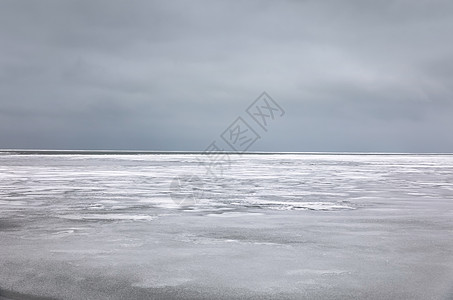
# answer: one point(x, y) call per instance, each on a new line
point(125, 152)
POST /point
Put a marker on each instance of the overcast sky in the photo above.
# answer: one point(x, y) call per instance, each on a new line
point(173, 75)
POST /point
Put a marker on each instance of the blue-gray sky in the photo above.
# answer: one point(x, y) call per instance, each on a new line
point(172, 75)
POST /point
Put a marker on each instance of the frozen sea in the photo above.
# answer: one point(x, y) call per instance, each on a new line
point(272, 226)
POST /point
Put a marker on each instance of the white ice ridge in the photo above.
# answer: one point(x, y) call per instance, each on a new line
point(107, 217)
point(300, 205)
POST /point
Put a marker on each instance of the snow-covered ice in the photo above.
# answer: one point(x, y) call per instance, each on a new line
point(293, 226)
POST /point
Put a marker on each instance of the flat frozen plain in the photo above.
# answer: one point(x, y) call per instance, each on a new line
point(308, 226)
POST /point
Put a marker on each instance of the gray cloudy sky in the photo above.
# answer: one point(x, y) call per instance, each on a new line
point(172, 75)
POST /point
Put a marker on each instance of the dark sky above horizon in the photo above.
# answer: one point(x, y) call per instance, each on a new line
point(174, 75)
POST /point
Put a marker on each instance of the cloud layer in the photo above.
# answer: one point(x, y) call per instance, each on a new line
point(172, 75)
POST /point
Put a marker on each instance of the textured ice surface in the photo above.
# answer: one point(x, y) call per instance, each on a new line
point(279, 226)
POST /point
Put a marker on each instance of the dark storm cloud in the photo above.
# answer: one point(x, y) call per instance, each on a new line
point(172, 75)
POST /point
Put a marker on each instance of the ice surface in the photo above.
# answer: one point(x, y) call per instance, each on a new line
point(277, 226)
